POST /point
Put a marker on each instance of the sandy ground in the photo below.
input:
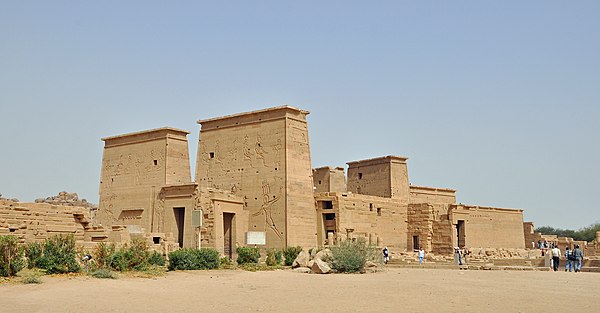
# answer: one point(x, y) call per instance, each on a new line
point(393, 290)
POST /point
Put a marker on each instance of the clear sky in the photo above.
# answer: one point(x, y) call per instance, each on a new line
point(499, 100)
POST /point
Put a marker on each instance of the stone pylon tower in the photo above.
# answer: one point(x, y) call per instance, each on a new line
point(263, 156)
point(134, 168)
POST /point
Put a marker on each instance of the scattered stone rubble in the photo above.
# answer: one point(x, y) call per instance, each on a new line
point(319, 262)
point(7, 199)
point(68, 199)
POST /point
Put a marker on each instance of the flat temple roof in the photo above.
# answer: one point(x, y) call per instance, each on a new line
point(283, 107)
point(143, 132)
point(384, 158)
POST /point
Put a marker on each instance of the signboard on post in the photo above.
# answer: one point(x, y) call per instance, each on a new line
point(196, 218)
point(257, 238)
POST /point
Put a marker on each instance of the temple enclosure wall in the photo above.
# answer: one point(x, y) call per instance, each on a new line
point(38, 221)
point(484, 227)
point(381, 221)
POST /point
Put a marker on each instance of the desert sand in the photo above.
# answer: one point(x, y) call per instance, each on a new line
point(392, 290)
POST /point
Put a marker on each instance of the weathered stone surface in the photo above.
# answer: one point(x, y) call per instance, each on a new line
point(369, 264)
point(301, 260)
point(304, 270)
point(320, 267)
point(323, 255)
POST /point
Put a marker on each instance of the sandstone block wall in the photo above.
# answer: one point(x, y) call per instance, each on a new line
point(39, 221)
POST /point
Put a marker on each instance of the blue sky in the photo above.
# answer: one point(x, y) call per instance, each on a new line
point(499, 100)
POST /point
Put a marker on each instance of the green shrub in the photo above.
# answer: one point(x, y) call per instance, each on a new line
point(194, 259)
point(350, 256)
point(60, 255)
point(103, 254)
point(291, 253)
point(135, 256)
point(226, 261)
point(247, 255)
point(274, 257)
point(11, 256)
point(34, 253)
point(104, 273)
point(157, 259)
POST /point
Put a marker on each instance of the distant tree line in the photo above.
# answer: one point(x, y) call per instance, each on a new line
point(586, 234)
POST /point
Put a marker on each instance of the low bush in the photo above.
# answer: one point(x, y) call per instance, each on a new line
point(59, 255)
point(134, 256)
point(350, 256)
point(102, 254)
point(11, 256)
point(194, 259)
point(291, 253)
point(104, 273)
point(274, 257)
point(33, 253)
point(247, 255)
point(157, 259)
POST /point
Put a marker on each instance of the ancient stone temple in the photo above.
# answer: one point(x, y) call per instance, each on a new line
point(254, 185)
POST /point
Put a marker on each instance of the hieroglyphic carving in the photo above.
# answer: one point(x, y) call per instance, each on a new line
point(259, 150)
point(247, 150)
point(277, 149)
point(266, 208)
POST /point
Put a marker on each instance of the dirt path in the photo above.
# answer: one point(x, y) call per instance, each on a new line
point(394, 290)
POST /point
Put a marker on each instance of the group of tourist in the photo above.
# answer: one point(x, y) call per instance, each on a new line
point(574, 258)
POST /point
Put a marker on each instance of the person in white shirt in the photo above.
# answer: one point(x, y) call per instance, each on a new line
point(421, 255)
point(555, 258)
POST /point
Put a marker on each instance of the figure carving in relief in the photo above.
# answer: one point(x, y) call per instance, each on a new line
point(160, 211)
point(218, 156)
point(232, 153)
point(197, 200)
point(203, 153)
point(106, 212)
point(235, 188)
point(259, 149)
point(266, 207)
point(247, 150)
point(277, 149)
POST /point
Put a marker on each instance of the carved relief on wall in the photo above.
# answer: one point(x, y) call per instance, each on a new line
point(268, 199)
point(277, 151)
point(140, 166)
point(259, 150)
point(159, 212)
point(197, 199)
point(247, 151)
point(106, 211)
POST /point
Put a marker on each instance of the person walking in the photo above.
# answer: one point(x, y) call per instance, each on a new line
point(569, 256)
point(386, 255)
point(555, 258)
point(421, 255)
point(578, 258)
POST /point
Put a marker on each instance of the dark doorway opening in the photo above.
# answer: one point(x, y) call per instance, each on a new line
point(179, 221)
point(227, 234)
point(460, 232)
point(416, 243)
